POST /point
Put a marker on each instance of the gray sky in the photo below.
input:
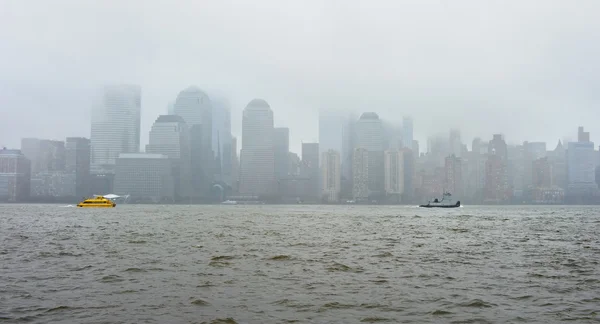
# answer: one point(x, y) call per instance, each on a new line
point(528, 69)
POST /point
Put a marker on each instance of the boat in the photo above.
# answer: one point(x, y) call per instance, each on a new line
point(97, 202)
point(445, 202)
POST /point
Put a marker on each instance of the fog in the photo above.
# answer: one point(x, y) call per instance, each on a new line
point(527, 69)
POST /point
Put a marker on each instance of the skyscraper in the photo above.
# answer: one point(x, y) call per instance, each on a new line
point(115, 126)
point(144, 177)
point(370, 136)
point(331, 169)
point(310, 170)
point(195, 107)
point(453, 176)
point(407, 131)
point(394, 175)
point(170, 136)
point(78, 163)
point(281, 139)
point(15, 173)
point(221, 139)
point(257, 162)
point(45, 155)
point(331, 131)
point(360, 174)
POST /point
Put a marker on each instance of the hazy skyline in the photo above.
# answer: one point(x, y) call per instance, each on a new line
point(528, 70)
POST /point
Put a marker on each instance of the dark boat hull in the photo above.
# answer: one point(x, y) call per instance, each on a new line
point(441, 206)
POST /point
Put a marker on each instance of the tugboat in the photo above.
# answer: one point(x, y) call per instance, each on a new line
point(446, 202)
point(97, 202)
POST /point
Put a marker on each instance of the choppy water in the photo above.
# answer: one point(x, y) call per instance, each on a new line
point(306, 264)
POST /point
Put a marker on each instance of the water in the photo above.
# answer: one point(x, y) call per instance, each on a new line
point(305, 264)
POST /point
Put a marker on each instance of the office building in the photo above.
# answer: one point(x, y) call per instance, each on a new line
point(310, 170)
point(195, 107)
point(170, 136)
point(45, 155)
point(360, 169)
point(331, 169)
point(257, 161)
point(454, 176)
point(15, 176)
point(77, 150)
point(281, 139)
point(394, 174)
point(144, 177)
point(496, 180)
point(115, 126)
point(221, 139)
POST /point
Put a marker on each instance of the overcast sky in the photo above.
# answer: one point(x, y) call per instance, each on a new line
point(528, 69)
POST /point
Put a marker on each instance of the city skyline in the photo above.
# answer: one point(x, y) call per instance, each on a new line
point(443, 65)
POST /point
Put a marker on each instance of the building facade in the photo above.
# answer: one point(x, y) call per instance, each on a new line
point(394, 174)
point(195, 107)
point(331, 169)
point(78, 163)
point(360, 178)
point(257, 161)
point(170, 136)
point(454, 182)
point(15, 176)
point(281, 140)
point(310, 170)
point(144, 177)
point(115, 126)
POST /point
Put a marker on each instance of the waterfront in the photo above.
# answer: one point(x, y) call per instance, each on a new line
point(306, 264)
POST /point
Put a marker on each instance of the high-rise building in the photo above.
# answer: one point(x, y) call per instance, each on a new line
point(581, 163)
point(281, 139)
point(542, 173)
point(53, 184)
point(15, 176)
point(407, 131)
point(294, 164)
point(144, 177)
point(455, 143)
point(331, 169)
point(498, 147)
point(496, 180)
point(360, 169)
point(558, 162)
point(582, 136)
point(410, 160)
point(170, 136)
point(257, 162)
point(331, 131)
point(221, 139)
point(394, 174)
point(415, 148)
point(370, 136)
point(195, 107)
point(347, 152)
point(78, 163)
point(235, 166)
point(45, 155)
point(453, 176)
point(310, 170)
point(115, 126)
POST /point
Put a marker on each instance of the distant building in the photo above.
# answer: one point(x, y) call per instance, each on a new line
point(257, 162)
point(370, 136)
point(195, 107)
point(170, 136)
point(454, 182)
point(78, 163)
point(498, 147)
point(294, 164)
point(310, 170)
point(115, 126)
point(581, 162)
point(558, 161)
point(496, 180)
point(331, 169)
point(54, 184)
point(582, 136)
point(542, 173)
point(331, 131)
point(410, 161)
point(221, 139)
point(281, 140)
point(394, 174)
point(455, 143)
point(144, 177)
point(407, 132)
point(360, 168)
point(45, 155)
point(15, 175)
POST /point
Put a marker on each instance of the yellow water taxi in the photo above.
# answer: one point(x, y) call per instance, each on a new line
point(97, 202)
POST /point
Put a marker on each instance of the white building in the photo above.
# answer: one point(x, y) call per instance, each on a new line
point(331, 169)
point(170, 136)
point(115, 126)
point(360, 174)
point(394, 173)
point(144, 177)
point(370, 133)
point(257, 162)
